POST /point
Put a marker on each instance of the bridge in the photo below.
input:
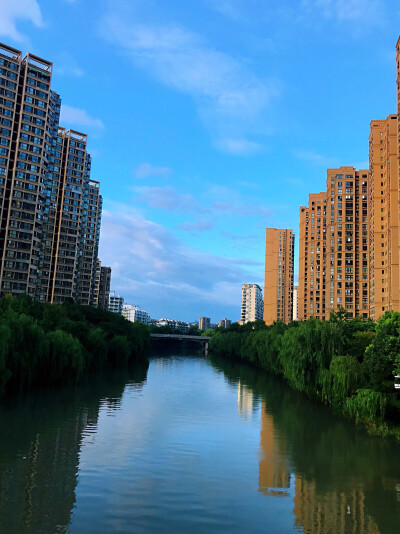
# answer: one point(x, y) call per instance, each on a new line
point(182, 337)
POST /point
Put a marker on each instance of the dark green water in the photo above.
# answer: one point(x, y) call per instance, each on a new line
point(190, 445)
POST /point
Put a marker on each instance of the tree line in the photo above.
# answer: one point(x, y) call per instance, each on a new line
point(44, 344)
point(348, 364)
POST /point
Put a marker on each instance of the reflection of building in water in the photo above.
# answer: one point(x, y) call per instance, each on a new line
point(37, 490)
point(245, 400)
point(41, 439)
point(274, 477)
point(331, 512)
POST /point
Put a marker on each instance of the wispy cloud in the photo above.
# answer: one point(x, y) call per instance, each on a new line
point(12, 11)
point(79, 117)
point(229, 97)
point(197, 227)
point(229, 8)
point(239, 238)
point(67, 66)
point(151, 266)
point(226, 203)
point(296, 182)
point(167, 198)
point(242, 209)
point(316, 159)
point(239, 147)
point(145, 169)
point(359, 12)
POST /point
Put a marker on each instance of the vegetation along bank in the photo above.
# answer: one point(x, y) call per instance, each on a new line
point(44, 344)
point(349, 364)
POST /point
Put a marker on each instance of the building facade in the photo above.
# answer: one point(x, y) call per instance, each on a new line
point(295, 303)
point(252, 303)
point(225, 323)
point(115, 303)
point(25, 94)
point(278, 284)
point(334, 248)
point(48, 247)
point(104, 288)
point(204, 323)
point(383, 195)
point(135, 314)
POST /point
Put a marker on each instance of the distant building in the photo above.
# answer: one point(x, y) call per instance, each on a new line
point(225, 323)
point(104, 288)
point(278, 285)
point(204, 323)
point(96, 284)
point(252, 303)
point(135, 314)
point(179, 326)
point(115, 303)
point(295, 303)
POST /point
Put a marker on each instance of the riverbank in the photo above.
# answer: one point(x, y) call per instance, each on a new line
point(43, 344)
point(348, 364)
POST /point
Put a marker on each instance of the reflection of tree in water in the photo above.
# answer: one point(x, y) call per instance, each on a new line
point(345, 480)
point(40, 442)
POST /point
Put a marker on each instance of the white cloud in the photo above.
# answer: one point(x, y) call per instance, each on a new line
point(79, 117)
point(316, 159)
point(145, 169)
point(197, 227)
point(229, 8)
point(360, 12)
point(151, 266)
point(167, 198)
point(239, 147)
point(12, 11)
point(229, 97)
point(66, 65)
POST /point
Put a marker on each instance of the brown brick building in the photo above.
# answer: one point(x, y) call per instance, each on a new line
point(278, 285)
point(333, 253)
point(383, 194)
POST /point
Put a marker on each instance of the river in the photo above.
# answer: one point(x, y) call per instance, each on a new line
point(190, 445)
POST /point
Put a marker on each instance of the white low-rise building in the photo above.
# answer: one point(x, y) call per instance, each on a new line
point(136, 314)
point(115, 303)
point(180, 326)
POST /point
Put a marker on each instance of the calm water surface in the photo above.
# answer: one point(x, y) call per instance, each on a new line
point(190, 445)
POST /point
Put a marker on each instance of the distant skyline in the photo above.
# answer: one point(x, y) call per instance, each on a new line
point(209, 121)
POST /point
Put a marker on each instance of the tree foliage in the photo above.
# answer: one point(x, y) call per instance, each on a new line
point(347, 363)
point(43, 344)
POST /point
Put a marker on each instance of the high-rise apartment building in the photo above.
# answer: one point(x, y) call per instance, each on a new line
point(252, 303)
point(383, 195)
point(25, 134)
point(312, 257)
point(334, 251)
point(278, 285)
point(50, 211)
point(104, 288)
point(97, 284)
point(225, 323)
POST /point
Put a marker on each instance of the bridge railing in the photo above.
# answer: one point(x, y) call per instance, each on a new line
point(181, 337)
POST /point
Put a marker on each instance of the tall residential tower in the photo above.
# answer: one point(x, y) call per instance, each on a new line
point(252, 303)
point(278, 285)
point(50, 210)
point(334, 251)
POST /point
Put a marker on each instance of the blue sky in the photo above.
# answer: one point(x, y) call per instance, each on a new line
point(208, 121)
